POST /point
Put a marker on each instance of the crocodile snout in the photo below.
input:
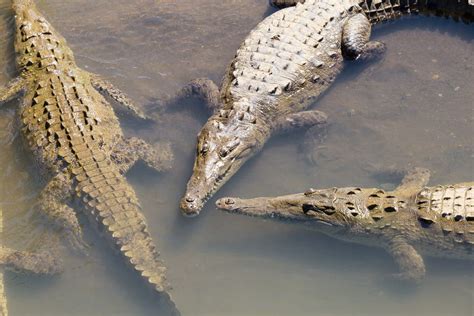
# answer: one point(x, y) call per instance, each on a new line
point(225, 203)
point(190, 206)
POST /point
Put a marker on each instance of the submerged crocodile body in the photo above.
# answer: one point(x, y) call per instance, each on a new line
point(44, 263)
point(285, 63)
point(411, 221)
point(78, 145)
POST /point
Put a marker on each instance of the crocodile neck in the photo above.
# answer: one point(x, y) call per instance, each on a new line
point(384, 10)
point(39, 47)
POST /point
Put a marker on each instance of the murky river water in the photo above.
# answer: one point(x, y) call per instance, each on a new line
point(413, 107)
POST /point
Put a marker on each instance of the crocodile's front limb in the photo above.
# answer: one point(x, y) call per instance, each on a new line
point(52, 204)
point(121, 98)
point(303, 119)
point(202, 88)
point(412, 267)
point(408, 259)
point(355, 40)
point(12, 89)
point(129, 150)
point(413, 182)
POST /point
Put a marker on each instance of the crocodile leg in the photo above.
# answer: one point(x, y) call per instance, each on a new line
point(202, 88)
point(413, 182)
point(44, 262)
point(300, 120)
point(355, 40)
point(129, 150)
point(285, 3)
point(412, 267)
point(121, 98)
point(52, 204)
point(12, 89)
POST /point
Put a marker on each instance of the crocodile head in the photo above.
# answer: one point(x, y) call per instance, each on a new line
point(33, 34)
point(222, 148)
point(314, 208)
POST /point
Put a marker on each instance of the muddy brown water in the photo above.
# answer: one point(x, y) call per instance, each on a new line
point(414, 107)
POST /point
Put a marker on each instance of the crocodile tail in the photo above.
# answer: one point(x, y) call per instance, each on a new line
point(111, 202)
point(383, 10)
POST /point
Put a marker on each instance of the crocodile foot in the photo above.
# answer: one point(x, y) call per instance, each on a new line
point(129, 150)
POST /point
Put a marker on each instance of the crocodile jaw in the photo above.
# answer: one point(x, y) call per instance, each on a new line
point(291, 208)
point(267, 208)
point(256, 207)
point(205, 182)
point(223, 147)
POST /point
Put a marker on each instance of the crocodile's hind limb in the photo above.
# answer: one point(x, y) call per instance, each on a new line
point(355, 40)
point(41, 262)
point(355, 35)
point(52, 204)
point(53, 201)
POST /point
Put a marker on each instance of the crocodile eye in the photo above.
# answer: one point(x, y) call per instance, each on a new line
point(204, 149)
point(223, 153)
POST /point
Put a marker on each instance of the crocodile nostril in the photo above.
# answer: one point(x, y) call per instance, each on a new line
point(229, 201)
point(190, 199)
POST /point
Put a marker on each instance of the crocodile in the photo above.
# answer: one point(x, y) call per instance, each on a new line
point(41, 263)
point(410, 221)
point(280, 69)
point(78, 147)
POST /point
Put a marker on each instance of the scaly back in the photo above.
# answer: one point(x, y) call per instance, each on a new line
point(384, 10)
point(450, 203)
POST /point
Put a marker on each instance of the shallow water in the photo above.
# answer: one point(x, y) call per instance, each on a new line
point(414, 107)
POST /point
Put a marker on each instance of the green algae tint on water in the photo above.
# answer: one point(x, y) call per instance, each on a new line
point(413, 107)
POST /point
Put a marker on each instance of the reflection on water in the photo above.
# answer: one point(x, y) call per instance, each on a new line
point(413, 107)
